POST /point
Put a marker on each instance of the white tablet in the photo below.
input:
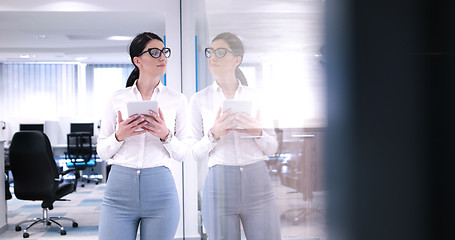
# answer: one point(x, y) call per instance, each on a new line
point(141, 107)
point(236, 106)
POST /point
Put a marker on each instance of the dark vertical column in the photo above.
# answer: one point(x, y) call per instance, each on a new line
point(390, 163)
point(440, 57)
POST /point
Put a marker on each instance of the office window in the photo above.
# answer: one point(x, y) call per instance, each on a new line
point(106, 79)
point(37, 91)
point(251, 72)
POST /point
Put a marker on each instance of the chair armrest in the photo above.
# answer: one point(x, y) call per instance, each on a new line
point(63, 173)
point(67, 171)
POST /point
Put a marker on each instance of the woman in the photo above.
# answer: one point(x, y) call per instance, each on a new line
point(140, 190)
point(237, 187)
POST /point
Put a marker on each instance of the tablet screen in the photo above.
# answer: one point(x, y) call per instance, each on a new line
point(238, 106)
point(141, 107)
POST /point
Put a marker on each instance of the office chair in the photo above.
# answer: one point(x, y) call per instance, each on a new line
point(36, 177)
point(81, 155)
point(296, 173)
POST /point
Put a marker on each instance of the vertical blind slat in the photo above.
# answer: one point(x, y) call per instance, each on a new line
point(41, 91)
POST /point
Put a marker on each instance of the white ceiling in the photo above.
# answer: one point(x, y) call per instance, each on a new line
point(68, 36)
point(268, 27)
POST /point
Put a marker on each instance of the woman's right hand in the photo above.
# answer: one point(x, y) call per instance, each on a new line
point(223, 123)
point(129, 127)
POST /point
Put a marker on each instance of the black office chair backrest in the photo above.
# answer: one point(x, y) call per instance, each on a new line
point(79, 146)
point(35, 172)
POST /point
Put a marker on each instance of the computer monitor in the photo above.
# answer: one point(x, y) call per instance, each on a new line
point(30, 127)
point(82, 127)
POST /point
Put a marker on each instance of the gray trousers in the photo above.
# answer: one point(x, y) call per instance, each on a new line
point(233, 194)
point(139, 197)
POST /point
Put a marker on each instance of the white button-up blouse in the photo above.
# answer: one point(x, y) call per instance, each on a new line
point(145, 150)
point(234, 149)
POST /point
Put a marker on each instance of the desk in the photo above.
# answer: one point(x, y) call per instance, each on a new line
point(312, 150)
point(306, 158)
point(59, 154)
point(60, 149)
point(306, 144)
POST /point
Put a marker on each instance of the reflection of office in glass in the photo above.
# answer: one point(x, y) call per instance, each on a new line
point(237, 189)
point(284, 64)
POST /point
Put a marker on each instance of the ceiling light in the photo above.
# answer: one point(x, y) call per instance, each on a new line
point(81, 58)
point(27, 56)
point(120, 38)
point(41, 36)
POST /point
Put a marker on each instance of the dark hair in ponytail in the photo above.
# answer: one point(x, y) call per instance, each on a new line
point(236, 45)
point(137, 46)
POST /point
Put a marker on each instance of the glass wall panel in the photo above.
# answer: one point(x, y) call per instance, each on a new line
point(81, 38)
point(283, 164)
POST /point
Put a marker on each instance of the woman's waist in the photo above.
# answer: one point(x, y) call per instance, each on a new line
point(138, 162)
point(235, 158)
point(126, 169)
point(140, 154)
point(253, 164)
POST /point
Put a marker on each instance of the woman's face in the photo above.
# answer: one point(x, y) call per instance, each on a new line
point(223, 66)
point(149, 65)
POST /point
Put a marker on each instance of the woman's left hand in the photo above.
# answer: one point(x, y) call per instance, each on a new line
point(248, 124)
point(156, 125)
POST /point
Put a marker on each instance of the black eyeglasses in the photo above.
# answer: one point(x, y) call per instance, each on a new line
point(219, 52)
point(156, 53)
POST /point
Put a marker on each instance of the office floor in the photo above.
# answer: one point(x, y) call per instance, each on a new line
point(85, 207)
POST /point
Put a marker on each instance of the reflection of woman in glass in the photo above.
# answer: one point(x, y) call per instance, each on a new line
point(140, 190)
point(237, 187)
